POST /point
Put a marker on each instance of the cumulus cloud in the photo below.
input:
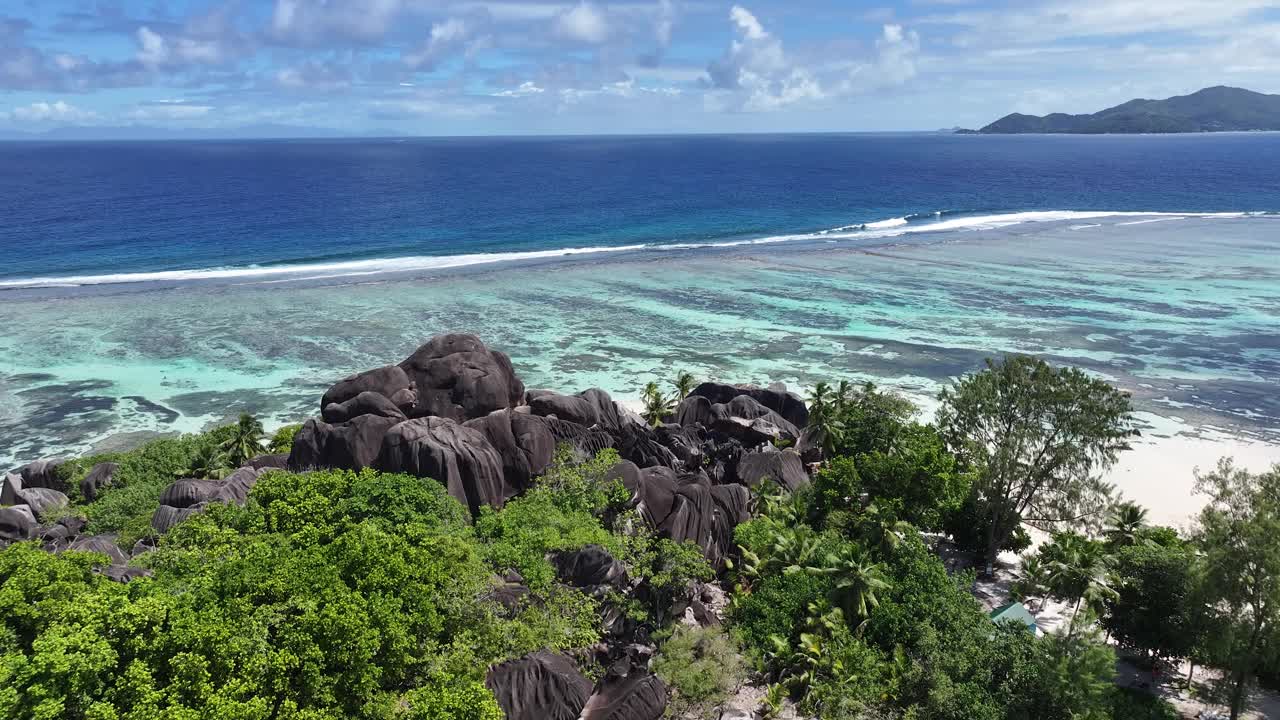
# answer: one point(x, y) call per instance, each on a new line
point(312, 22)
point(51, 112)
point(312, 75)
point(583, 23)
point(756, 73)
point(445, 38)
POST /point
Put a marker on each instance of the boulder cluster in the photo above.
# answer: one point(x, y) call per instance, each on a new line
point(30, 500)
point(456, 411)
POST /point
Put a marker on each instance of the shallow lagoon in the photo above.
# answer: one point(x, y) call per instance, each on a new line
point(1183, 311)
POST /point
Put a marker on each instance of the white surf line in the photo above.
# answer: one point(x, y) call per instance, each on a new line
point(1144, 222)
point(1086, 227)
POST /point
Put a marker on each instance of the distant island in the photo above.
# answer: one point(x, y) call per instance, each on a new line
point(1215, 109)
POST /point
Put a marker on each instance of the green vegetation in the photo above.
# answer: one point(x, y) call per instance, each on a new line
point(282, 441)
point(702, 666)
point(331, 594)
point(1038, 438)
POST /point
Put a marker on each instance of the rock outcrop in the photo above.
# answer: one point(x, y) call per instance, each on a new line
point(187, 497)
point(539, 686)
point(100, 476)
point(458, 456)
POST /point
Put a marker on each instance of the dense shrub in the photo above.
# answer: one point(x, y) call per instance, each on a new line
point(701, 666)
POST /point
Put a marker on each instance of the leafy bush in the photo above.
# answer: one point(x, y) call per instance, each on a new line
point(281, 441)
point(701, 665)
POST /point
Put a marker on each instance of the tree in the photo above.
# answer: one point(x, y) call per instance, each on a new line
point(656, 405)
point(824, 428)
point(1038, 438)
point(1239, 535)
point(208, 463)
point(1033, 580)
point(1126, 521)
point(245, 441)
point(857, 582)
point(1079, 572)
point(684, 383)
point(1153, 608)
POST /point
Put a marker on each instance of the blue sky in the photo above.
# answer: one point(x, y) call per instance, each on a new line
point(622, 66)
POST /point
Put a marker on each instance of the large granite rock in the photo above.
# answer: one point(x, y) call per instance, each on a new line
point(186, 497)
point(354, 444)
point(391, 382)
point(636, 695)
point(366, 403)
point(524, 442)
point(788, 405)
point(100, 477)
point(456, 376)
point(458, 456)
point(10, 484)
point(42, 501)
point(571, 408)
point(784, 467)
point(42, 474)
point(640, 445)
point(540, 686)
point(103, 544)
point(741, 417)
point(584, 442)
point(591, 568)
point(16, 523)
point(686, 510)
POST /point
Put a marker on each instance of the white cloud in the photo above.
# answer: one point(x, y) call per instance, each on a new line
point(747, 23)
point(758, 74)
point(312, 21)
point(155, 50)
point(584, 23)
point(446, 37)
point(51, 112)
point(168, 111)
point(526, 88)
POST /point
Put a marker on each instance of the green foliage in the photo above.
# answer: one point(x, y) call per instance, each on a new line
point(1037, 438)
point(1078, 571)
point(143, 474)
point(919, 473)
point(683, 383)
point(282, 440)
point(701, 665)
point(1239, 536)
point(850, 421)
point(657, 405)
point(1131, 704)
point(327, 596)
point(245, 441)
point(1125, 524)
point(1155, 605)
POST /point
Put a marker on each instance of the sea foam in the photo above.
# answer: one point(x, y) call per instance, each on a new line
point(939, 222)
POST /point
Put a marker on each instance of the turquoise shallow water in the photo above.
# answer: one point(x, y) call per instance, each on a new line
point(1184, 311)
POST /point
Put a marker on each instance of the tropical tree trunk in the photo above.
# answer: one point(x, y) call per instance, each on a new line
point(1191, 673)
point(1237, 692)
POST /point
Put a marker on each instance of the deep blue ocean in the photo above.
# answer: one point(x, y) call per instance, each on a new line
point(91, 209)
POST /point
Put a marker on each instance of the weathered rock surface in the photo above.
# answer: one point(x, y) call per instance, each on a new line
point(591, 568)
point(524, 442)
point(458, 456)
point(539, 686)
point(456, 376)
point(16, 524)
point(186, 497)
point(354, 444)
point(366, 403)
point(100, 476)
point(784, 467)
point(390, 382)
point(42, 500)
point(634, 696)
point(775, 397)
point(42, 474)
point(571, 408)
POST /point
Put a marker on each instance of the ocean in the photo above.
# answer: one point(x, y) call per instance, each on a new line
point(160, 287)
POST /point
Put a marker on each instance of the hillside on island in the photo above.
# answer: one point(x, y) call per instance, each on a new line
point(442, 543)
point(1215, 109)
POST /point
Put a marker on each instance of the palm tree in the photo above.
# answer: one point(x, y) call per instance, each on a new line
point(684, 383)
point(245, 442)
point(825, 428)
point(656, 405)
point(1033, 580)
point(857, 580)
point(209, 463)
point(881, 529)
point(1079, 571)
point(1127, 519)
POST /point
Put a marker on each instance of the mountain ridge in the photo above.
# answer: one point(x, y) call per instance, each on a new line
point(1214, 109)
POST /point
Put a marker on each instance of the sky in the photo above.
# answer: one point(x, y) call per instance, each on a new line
point(463, 67)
